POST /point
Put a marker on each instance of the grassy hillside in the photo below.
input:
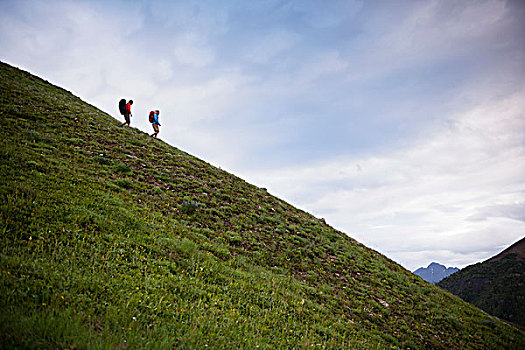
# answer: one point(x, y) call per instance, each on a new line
point(112, 239)
point(496, 285)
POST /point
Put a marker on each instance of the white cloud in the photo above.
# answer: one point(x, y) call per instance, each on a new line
point(435, 28)
point(326, 64)
point(423, 197)
point(431, 33)
point(265, 48)
point(514, 211)
point(192, 49)
point(327, 14)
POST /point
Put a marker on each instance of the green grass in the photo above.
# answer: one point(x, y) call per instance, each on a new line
point(113, 239)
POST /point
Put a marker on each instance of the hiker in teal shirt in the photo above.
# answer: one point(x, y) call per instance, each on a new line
point(155, 123)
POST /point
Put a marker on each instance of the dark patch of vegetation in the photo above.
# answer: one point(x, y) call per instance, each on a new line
point(95, 254)
point(497, 287)
point(188, 207)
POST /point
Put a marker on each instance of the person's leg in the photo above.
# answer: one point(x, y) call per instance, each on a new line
point(155, 129)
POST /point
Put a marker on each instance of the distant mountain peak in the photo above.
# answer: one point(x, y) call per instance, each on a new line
point(435, 272)
point(435, 264)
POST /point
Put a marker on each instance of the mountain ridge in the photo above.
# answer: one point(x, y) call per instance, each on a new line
point(496, 285)
point(112, 239)
point(435, 272)
point(517, 248)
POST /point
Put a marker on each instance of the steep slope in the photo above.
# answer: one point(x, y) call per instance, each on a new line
point(496, 285)
point(435, 272)
point(515, 251)
point(112, 239)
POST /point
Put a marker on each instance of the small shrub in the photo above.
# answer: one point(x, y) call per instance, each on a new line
point(233, 238)
point(410, 344)
point(158, 190)
point(137, 142)
point(225, 197)
point(214, 213)
point(188, 207)
point(221, 252)
point(154, 172)
point(124, 183)
point(36, 166)
point(112, 185)
point(326, 289)
point(13, 111)
point(102, 160)
point(33, 136)
point(75, 141)
point(121, 168)
point(489, 323)
point(454, 322)
point(187, 248)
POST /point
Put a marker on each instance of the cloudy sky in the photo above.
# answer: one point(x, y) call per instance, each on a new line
point(402, 123)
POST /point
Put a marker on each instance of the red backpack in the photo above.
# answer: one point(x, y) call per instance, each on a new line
point(151, 116)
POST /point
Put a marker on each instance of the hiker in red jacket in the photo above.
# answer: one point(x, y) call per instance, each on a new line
point(127, 114)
